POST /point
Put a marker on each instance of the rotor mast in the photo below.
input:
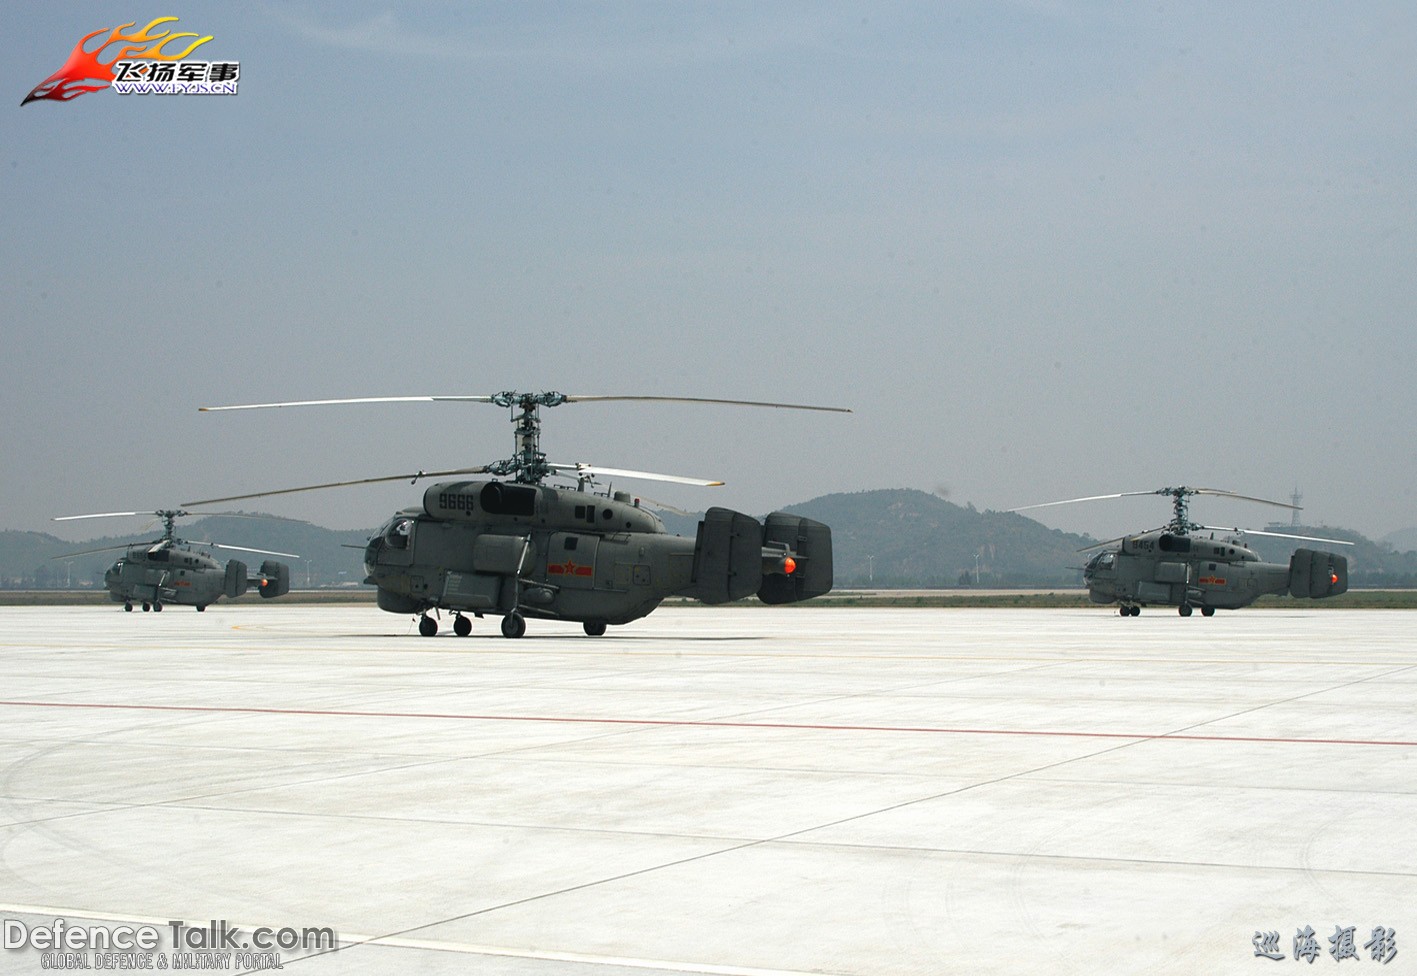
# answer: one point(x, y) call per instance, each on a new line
point(528, 465)
point(1181, 523)
point(169, 518)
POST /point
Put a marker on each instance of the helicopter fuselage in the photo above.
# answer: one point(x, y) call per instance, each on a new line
point(1164, 568)
point(162, 574)
point(514, 550)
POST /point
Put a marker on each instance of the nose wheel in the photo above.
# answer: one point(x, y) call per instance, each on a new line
point(427, 626)
point(462, 626)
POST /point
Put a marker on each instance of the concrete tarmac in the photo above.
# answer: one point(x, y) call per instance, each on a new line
point(714, 791)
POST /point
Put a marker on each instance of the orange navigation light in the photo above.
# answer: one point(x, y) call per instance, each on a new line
point(789, 565)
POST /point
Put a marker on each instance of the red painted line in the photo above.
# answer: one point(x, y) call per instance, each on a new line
point(692, 723)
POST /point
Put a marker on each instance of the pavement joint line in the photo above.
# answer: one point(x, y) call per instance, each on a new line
point(1178, 736)
point(1294, 698)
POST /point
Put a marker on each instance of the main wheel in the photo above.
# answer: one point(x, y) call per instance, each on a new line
point(513, 625)
point(427, 626)
point(1136, 611)
point(1207, 611)
point(128, 607)
point(462, 626)
point(157, 607)
point(147, 607)
point(201, 607)
point(1124, 610)
point(594, 628)
point(1184, 609)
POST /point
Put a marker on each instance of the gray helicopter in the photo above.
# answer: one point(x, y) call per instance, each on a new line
point(518, 548)
point(1171, 566)
point(173, 570)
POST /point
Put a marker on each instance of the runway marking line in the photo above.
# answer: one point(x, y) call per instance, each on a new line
point(705, 723)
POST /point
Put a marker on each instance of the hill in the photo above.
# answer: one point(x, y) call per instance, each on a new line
point(37, 560)
point(888, 538)
point(907, 538)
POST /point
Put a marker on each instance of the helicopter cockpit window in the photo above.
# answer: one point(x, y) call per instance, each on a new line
point(158, 557)
point(398, 532)
point(1175, 543)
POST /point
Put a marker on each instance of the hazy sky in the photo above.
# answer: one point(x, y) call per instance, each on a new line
point(1043, 249)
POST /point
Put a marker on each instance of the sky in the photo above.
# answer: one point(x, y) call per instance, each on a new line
point(1041, 249)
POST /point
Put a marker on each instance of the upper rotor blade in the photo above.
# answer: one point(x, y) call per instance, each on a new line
point(70, 518)
point(1088, 498)
point(1277, 535)
point(341, 484)
point(322, 403)
point(489, 399)
point(593, 469)
point(680, 399)
point(1248, 498)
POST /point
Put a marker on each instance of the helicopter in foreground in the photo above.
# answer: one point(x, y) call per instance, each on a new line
point(1171, 566)
point(173, 570)
point(518, 548)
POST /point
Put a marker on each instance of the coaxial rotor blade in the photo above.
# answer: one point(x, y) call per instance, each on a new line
point(341, 484)
point(324, 403)
point(264, 552)
point(1088, 498)
point(678, 399)
point(477, 398)
point(70, 518)
point(1231, 494)
point(595, 469)
point(89, 552)
point(1276, 535)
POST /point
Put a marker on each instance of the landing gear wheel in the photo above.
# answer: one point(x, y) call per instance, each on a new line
point(147, 607)
point(157, 607)
point(128, 606)
point(513, 625)
point(1184, 609)
point(1124, 611)
point(201, 607)
point(1136, 611)
point(594, 628)
point(427, 626)
point(1207, 611)
point(462, 626)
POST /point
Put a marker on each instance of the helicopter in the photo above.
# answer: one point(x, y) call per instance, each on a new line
point(1170, 566)
point(172, 570)
point(514, 547)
